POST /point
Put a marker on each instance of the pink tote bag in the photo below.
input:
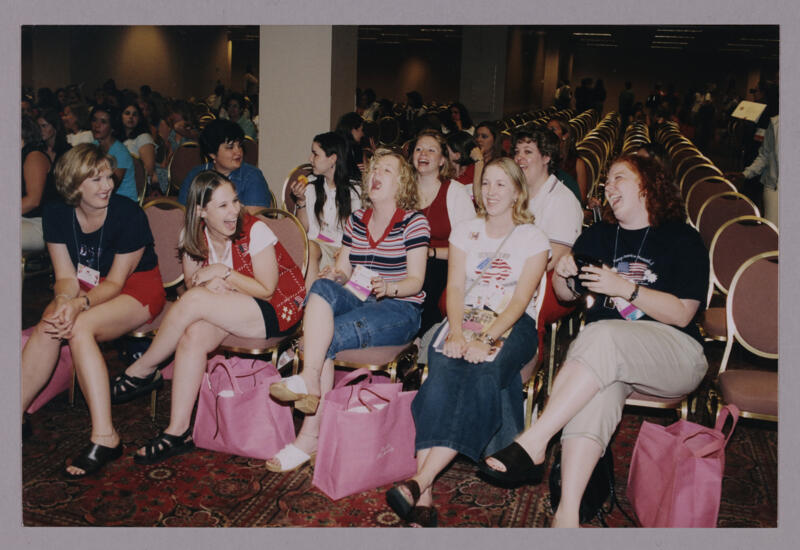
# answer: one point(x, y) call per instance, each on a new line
point(675, 478)
point(366, 437)
point(59, 381)
point(236, 414)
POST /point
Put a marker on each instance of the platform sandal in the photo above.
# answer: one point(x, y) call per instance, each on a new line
point(164, 446)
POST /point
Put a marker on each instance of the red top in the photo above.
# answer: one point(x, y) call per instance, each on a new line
point(468, 175)
point(436, 212)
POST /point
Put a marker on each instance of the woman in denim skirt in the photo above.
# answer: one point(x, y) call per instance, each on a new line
point(496, 262)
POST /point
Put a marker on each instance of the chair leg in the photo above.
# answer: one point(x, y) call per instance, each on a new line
point(153, 396)
point(71, 398)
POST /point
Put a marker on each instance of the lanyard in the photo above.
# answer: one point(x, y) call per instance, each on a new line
point(77, 246)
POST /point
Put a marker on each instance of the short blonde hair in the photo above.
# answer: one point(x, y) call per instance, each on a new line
point(407, 195)
point(76, 165)
point(520, 213)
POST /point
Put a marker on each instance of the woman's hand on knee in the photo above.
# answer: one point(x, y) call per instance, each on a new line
point(454, 346)
point(219, 286)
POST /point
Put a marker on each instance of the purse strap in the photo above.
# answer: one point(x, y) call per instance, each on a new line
point(368, 390)
point(231, 376)
point(728, 410)
point(496, 252)
point(352, 376)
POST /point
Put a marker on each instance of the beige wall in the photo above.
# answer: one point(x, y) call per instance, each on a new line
point(176, 61)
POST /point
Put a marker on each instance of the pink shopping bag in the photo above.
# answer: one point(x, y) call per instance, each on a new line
point(236, 414)
point(675, 478)
point(366, 437)
point(60, 379)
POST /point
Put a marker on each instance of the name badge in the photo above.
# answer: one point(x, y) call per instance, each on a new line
point(87, 276)
point(360, 282)
point(629, 311)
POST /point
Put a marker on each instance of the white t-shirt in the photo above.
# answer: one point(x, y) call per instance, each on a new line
point(134, 144)
point(499, 281)
point(261, 236)
point(557, 212)
point(332, 228)
point(84, 136)
point(459, 203)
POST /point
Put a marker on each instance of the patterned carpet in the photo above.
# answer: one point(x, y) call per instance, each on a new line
point(205, 488)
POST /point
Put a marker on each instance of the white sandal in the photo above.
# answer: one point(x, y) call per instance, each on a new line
point(289, 459)
point(294, 389)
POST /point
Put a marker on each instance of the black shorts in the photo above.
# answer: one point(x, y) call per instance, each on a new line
point(271, 320)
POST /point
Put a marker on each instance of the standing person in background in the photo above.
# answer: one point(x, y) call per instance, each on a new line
point(250, 86)
point(626, 100)
point(106, 124)
point(598, 96)
point(583, 96)
point(563, 98)
point(766, 166)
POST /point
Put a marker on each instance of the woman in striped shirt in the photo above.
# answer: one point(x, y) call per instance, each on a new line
point(372, 297)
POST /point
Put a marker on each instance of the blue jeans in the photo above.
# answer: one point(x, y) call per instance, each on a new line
point(475, 409)
point(357, 324)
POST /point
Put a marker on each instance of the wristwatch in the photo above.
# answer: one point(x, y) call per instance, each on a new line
point(486, 339)
point(635, 293)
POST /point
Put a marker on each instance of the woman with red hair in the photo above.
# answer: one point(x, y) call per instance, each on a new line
point(649, 283)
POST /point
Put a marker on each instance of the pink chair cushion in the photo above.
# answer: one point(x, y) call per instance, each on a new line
point(668, 402)
point(751, 390)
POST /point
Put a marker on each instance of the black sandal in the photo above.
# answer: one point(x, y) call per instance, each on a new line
point(423, 516)
point(126, 388)
point(397, 500)
point(164, 446)
point(92, 458)
point(519, 466)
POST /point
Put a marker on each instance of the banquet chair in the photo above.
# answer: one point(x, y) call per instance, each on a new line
point(292, 236)
point(694, 174)
point(752, 321)
point(720, 208)
point(250, 147)
point(185, 157)
point(141, 179)
point(286, 190)
point(701, 191)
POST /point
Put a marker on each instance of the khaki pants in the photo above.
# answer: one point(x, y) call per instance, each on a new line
point(646, 356)
point(771, 204)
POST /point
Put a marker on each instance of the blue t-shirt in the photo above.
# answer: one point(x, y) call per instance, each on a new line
point(125, 230)
point(124, 162)
point(249, 181)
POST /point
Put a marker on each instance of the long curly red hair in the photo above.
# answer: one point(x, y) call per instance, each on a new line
point(662, 197)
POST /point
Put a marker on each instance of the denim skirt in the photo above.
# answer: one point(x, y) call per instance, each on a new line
point(475, 409)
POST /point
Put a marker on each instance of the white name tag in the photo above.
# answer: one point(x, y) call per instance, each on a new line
point(88, 276)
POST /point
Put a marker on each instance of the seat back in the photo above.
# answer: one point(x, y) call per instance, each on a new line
point(388, 131)
point(701, 191)
point(720, 208)
point(680, 167)
point(186, 156)
point(286, 191)
point(290, 233)
point(250, 147)
point(166, 218)
point(694, 174)
point(736, 241)
point(752, 305)
point(140, 177)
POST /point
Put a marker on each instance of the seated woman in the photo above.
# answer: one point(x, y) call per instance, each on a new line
point(556, 210)
point(179, 126)
point(639, 333)
point(487, 136)
point(107, 284)
point(53, 134)
point(572, 170)
point(106, 125)
point(236, 112)
point(496, 262)
point(351, 127)
point(331, 196)
point(136, 137)
point(221, 141)
point(386, 243)
point(445, 203)
point(37, 185)
point(76, 122)
point(458, 120)
point(466, 158)
point(238, 276)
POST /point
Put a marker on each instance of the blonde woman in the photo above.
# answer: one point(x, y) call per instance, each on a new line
point(388, 237)
point(495, 262)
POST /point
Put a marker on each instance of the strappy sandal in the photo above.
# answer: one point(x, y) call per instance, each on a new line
point(303, 401)
point(423, 516)
point(164, 446)
point(397, 500)
point(92, 458)
point(290, 458)
point(126, 388)
point(519, 466)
